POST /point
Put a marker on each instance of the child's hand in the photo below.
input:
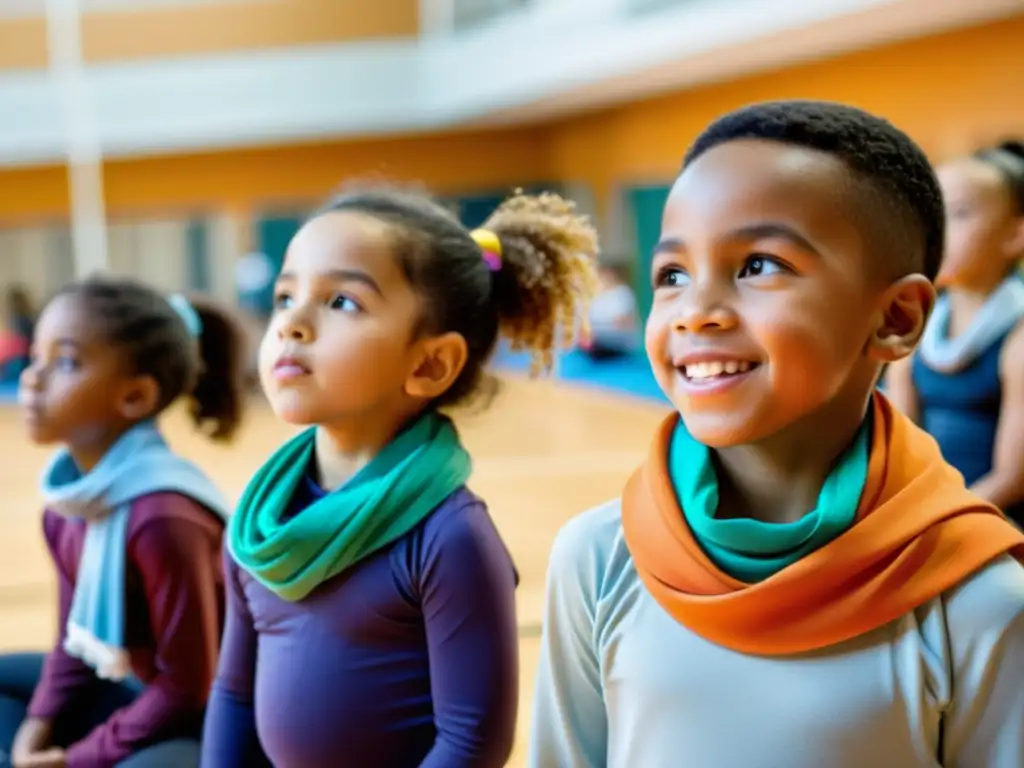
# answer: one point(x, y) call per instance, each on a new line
point(32, 741)
point(48, 758)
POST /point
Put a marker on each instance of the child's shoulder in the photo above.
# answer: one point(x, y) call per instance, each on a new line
point(168, 514)
point(988, 603)
point(457, 538)
point(460, 520)
point(597, 529)
point(591, 547)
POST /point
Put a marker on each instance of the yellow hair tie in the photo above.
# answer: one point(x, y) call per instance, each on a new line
point(490, 245)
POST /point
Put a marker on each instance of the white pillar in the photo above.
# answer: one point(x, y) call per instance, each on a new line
point(84, 154)
point(227, 241)
point(437, 18)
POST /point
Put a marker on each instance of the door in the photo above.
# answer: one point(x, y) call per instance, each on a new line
point(273, 235)
point(473, 210)
point(645, 207)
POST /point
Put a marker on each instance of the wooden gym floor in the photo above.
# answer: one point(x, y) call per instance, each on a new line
point(542, 453)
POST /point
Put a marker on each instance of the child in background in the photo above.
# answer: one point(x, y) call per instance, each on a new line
point(371, 606)
point(19, 314)
point(15, 334)
point(614, 324)
point(134, 531)
point(794, 578)
point(965, 385)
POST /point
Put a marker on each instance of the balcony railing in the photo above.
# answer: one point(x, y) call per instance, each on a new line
point(642, 7)
point(467, 14)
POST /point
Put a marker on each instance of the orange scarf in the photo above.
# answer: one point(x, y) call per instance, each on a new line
point(918, 532)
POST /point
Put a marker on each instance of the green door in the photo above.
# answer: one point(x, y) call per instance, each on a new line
point(474, 210)
point(645, 205)
point(273, 234)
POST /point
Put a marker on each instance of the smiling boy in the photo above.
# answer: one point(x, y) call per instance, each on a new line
point(708, 618)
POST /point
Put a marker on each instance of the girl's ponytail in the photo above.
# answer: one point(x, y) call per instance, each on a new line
point(217, 399)
point(544, 275)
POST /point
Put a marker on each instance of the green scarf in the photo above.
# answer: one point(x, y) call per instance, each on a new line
point(382, 502)
point(750, 550)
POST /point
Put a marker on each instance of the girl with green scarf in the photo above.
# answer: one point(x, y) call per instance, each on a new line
point(371, 600)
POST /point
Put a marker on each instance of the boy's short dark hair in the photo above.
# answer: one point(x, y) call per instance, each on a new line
point(894, 168)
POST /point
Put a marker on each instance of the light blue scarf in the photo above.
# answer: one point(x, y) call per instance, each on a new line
point(1000, 313)
point(138, 464)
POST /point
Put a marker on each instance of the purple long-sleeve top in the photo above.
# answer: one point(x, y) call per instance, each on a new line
point(174, 608)
point(407, 659)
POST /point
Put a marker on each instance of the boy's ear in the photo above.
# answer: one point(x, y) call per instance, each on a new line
point(903, 312)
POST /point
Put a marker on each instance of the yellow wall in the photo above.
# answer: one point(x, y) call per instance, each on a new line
point(273, 177)
point(950, 92)
point(218, 26)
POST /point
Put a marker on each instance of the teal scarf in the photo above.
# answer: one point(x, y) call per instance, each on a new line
point(138, 464)
point(750, 550)
point(382, 502)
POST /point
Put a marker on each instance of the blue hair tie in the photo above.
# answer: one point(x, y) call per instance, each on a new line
point(187, 313)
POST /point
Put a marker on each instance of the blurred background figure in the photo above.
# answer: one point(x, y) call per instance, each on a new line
point(255, 275)
point(965, 385)
point(15, 333)
point(614, 319)
point(254, 278)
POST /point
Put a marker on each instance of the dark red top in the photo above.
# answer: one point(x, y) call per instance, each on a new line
point(174, 612)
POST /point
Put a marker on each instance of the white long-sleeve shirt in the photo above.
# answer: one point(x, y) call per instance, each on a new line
point(622, 684)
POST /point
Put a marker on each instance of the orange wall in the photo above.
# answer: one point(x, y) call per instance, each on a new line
point(266, 178)
point(33, 193)
point(950, 92)
point(213, 27)
point(22, 44)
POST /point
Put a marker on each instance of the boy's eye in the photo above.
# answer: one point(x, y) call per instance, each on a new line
point(345, 304)
point(671, 277)
point(760, 265)
point(282, 301)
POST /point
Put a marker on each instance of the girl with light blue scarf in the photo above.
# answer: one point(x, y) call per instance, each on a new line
point(965, 385)
point(134, 531)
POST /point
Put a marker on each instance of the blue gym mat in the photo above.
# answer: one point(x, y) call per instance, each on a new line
point(627, 375)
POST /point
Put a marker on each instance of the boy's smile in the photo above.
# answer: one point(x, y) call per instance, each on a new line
point(708, 373)
point(765, 291)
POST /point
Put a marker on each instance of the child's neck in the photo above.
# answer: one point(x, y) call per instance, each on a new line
point(87, 452)
point(343, 449)
point(779, 479)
